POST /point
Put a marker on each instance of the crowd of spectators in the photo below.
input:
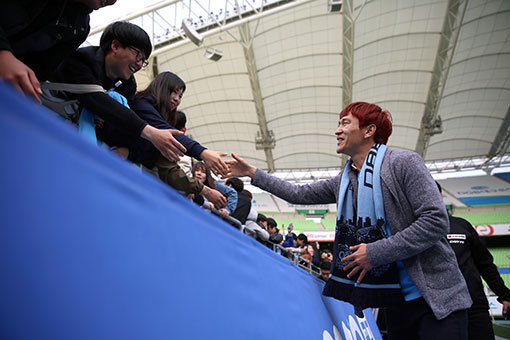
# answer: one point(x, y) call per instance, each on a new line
point(308, 253)
point(142, 126)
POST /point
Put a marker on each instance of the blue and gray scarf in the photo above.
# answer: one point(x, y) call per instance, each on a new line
point(362, 223)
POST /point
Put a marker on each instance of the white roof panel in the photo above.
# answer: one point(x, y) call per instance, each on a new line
point(290, 81)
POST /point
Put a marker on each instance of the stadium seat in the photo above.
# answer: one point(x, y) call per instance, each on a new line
point(496, 217)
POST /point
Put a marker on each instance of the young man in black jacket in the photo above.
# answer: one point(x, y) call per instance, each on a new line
point(35, 36)
point(475, 260)
point(243, 200)
point(123, 51)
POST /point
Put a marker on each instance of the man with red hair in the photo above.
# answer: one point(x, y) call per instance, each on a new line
point(390, 247)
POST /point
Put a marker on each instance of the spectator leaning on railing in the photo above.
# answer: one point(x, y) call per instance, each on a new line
point(262, 219)
point(123, 51)
point(255, 227)
point(274, 236)
point(243, 199)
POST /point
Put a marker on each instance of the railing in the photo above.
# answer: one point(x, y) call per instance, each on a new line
point(229, 219)
point(296, 259)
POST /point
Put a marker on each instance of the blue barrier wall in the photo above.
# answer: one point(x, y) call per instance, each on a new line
point(90, 248)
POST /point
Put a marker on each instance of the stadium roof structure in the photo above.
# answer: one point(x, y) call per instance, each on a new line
point(286, 69)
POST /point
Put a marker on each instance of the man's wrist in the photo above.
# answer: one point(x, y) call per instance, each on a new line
point(252, 171)
point(147, 132)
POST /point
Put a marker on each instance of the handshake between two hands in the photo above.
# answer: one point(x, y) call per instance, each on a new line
point(237, 167)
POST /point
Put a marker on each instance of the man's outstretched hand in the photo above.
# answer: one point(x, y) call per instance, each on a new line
point(238, 167)
point(215, 162)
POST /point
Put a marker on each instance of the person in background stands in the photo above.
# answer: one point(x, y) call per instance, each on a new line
point(255, 227)
point(290, 241)
point(274, 236)
point(325, 270)
point(475, 260)
point(185, 162)
point(326, 256)
point(262, 220)
point(303, 248)
point(243, 200)
point(201, 172)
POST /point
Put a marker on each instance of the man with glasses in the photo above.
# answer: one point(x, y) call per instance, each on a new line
point(140, 56)
point(123, 51)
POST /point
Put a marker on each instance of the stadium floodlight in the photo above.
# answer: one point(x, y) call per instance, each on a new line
point(191, 33)
point(263, 142)
point(213, 54)
point(334, 5)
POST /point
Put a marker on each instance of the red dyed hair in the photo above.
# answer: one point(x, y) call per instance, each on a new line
point(371, 114)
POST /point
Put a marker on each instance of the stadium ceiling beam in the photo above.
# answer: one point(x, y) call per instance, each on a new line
point(149, 10)
point(264, 139)
point(431, 122)
point(471, 163)
point(349, 18)
point(502, 140)
point(163, 20)
point(435, 167)
point(347, 52)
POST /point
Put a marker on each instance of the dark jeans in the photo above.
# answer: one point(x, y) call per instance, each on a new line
point(415, 320)
point(480, 324)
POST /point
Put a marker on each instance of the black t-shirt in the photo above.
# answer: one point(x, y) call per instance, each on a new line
point(243, 208)
point(474, 260)
point(42, 33)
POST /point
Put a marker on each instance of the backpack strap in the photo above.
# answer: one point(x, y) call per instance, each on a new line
point(55, 97)
point(72, 88)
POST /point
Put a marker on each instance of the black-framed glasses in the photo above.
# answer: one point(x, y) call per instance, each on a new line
point(140, 56)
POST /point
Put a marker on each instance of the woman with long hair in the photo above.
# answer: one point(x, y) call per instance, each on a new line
point(164, 94)
point(157, 105)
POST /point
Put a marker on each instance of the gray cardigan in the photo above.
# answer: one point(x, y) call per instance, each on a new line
point(417, 219)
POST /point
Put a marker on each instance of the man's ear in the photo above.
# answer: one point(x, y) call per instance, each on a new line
point(115, 45)
point(370, 132)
